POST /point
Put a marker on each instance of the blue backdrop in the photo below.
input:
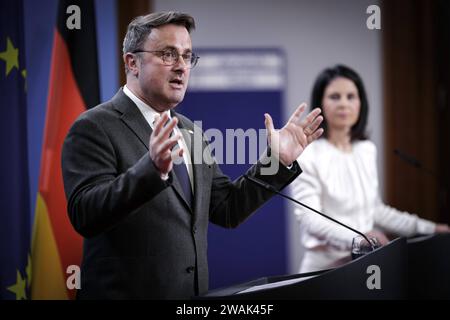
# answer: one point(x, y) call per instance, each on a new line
point(233, 94)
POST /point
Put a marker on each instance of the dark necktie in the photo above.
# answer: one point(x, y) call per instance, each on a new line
point(182, 174)
point(180, 170)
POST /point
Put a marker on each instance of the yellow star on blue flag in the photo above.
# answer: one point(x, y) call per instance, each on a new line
point(10, 56)
point(19, 287)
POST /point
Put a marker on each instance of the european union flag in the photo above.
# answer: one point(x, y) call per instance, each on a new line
point(15, 265)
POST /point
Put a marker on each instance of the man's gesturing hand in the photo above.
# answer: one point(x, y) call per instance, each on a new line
point(161, 143)
point(289, 142)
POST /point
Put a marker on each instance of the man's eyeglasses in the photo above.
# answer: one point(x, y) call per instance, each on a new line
point(171, 57)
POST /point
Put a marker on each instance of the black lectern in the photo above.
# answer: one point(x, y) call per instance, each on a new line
point(429, 267)
point(385, 266)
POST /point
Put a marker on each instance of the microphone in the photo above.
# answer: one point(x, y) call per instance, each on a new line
point(442, 185)
point(414, 162)
point(269, 187)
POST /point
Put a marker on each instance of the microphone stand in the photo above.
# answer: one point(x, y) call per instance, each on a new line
point(272, 189)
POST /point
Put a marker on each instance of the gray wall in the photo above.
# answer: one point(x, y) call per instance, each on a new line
point(313, 34)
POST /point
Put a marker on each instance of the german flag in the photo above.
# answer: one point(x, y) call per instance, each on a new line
point(73, 87)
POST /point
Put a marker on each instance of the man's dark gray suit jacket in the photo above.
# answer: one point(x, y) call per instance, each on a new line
point(142, 240)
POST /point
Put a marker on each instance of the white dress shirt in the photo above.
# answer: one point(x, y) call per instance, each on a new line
point(149, 114)
point(344, 186)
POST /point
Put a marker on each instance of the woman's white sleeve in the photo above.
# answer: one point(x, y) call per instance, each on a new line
point(400, 222)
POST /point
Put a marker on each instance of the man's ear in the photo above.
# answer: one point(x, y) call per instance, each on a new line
point(131, 62)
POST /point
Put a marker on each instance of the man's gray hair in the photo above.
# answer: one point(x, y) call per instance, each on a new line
point(140, 27)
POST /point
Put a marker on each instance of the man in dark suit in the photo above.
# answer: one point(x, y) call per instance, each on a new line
point(133, 191)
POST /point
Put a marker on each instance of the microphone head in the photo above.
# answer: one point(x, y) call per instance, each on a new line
point(407, 158)
point(414, 162)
